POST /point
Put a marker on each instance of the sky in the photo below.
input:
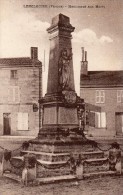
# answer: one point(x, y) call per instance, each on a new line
point(98, 29)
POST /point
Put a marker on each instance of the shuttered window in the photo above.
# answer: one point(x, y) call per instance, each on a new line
point(96, 119)
point(22, 121)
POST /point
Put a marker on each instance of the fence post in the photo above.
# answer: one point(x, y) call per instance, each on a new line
point(115, 158)
point(6, 165)
point(79, 168)
point(29, 171)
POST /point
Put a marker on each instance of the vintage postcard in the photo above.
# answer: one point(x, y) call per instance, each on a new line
point(61, 97)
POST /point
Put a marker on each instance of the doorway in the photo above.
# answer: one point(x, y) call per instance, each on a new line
point(119, 123)
point(6, 124)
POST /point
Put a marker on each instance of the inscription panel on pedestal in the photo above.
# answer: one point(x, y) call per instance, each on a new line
point(67, 116)
point(50, 115)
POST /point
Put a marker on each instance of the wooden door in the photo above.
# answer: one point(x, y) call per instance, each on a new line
point(119, 123)
point(6, 124)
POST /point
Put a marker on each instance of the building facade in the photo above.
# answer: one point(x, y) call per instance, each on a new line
point(103, 95)
point(20, 90)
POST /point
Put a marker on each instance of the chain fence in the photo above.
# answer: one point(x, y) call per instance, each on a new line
point(9, 153)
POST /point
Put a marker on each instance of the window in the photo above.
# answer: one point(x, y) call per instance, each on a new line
point(96, 119)
point(100, 96)
point(22, 121)
point(119, 96)
point(100, 119)
point(14, 94)
point(13, 74)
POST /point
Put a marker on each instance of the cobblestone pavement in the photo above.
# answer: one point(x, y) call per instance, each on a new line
point(98, 186)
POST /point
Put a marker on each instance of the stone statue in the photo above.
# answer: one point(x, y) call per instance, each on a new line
point(64, 68)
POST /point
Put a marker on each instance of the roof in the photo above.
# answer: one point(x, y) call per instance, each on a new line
point(102, 78)
point(24, 61)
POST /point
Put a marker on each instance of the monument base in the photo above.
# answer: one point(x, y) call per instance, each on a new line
point(59, 158)
point(58, 116)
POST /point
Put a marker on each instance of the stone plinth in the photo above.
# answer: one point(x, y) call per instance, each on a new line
point(59, 113)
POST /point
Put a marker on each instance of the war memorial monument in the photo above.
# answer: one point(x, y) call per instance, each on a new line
point(60, 151)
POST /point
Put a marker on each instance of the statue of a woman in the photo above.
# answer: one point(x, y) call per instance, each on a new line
point(64, 68)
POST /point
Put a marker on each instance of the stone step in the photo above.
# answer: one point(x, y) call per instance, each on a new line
point(97, 174)
point(60, 146)
point(56, 179)
point(92, 161)
point(62, 178)
point(92, 155)
point(57, 168)
point(48, 169)
point(51, 163)
point(47, 156)
point(44, 153)
point(42, 180)
point(95, 165)
point(95, 160)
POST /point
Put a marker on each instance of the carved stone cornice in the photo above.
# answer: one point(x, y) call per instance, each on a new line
point(61, 30)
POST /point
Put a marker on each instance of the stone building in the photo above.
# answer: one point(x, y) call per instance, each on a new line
point(20, 90)
point(103, 93)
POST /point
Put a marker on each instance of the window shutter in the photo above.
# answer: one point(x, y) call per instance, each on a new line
point(11, 95)
point(25, 121)
point(121, 95)
point(122, 122)
point(118, 96)
point(16, 94)
point(92, 119)
point(103, 119)
point(97, 119)
point(20, 121)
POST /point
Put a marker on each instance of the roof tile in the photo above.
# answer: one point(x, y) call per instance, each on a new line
point(97, 78)
point(18, 61)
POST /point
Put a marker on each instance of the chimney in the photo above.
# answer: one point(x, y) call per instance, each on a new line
point(34, 53)
point(85, 56)
point(84, 63)
point(82, 54)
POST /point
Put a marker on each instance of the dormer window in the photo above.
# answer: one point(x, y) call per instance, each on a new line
point(13, 74)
